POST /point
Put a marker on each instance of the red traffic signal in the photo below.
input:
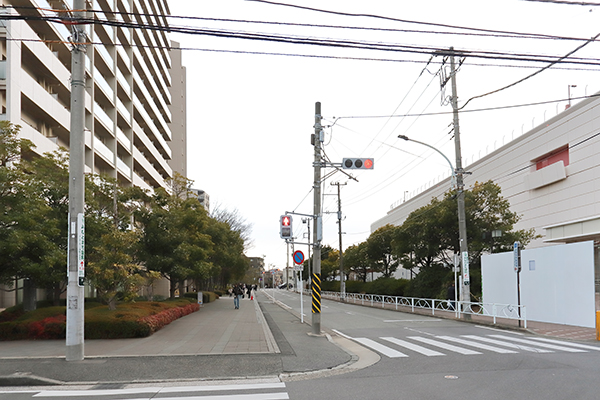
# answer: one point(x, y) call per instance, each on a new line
point(285, 226)
point(357, 163)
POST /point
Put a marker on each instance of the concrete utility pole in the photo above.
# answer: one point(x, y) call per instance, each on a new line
point(342, 275)
point(75, 252)
point(465, 293)
point(316, 276)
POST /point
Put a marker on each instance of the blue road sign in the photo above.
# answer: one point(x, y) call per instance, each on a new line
point(298, 257)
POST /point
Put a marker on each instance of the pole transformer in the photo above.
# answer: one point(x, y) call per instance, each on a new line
point(75, 251)
point(465, 293)
point(317, 141)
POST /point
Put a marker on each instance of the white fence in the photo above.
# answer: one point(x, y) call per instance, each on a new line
point(492, 310)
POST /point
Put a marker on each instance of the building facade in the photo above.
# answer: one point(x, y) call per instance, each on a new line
point(135, 86)
point(550, 175)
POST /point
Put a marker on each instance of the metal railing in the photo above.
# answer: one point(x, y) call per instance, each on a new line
point(492, 310)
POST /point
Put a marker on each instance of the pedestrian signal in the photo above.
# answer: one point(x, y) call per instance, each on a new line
point(285, 226)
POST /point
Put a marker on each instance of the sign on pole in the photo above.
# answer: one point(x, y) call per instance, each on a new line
point(298, 257)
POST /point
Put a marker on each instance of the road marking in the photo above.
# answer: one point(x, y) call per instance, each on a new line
point(256, 396)
point(446, 346)
point(534, 343)
point(412, 320)
point(478, 345)
point(498, 330)
point(581, 346)
point(413, 347)
point(506, 344)
point(342, 334)
point(386, 351)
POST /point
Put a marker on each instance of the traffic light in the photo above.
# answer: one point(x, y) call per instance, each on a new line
point(357, 163)
point(285, 226)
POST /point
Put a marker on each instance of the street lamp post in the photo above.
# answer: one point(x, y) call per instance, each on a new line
point(462, 232)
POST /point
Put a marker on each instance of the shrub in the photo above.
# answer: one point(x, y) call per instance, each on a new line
point(129, 321)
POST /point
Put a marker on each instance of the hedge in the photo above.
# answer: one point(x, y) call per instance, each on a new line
point(130, 320)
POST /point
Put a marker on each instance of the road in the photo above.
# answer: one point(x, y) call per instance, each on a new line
point(419, 357)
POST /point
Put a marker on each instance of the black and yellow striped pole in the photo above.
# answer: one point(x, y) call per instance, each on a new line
point(317, 226)
point(316, 293)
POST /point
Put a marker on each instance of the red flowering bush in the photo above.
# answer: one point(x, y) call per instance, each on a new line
point(157, 321)
point(131, 320)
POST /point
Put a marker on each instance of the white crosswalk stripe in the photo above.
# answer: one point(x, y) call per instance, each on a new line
point(478, 345)
point(534, 343)
point(446, 346)
point(386, 351)
point(507, 344)
point(413, 347)
point(501, 344)
point(218, 392)
point(580, 346)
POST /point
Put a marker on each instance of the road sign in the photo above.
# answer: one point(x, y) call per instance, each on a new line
point(298, 257)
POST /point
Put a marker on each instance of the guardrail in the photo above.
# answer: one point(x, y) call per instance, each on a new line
point(492, 310)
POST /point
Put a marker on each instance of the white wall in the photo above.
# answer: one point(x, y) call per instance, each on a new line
point(557, 283)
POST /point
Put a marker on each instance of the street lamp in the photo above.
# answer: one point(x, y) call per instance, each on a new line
point(462, 226)
point(569, 88)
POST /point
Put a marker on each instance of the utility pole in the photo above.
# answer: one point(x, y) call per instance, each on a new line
point(465, 293)
point(75, 252)
point(342, 275)
point(317, 140)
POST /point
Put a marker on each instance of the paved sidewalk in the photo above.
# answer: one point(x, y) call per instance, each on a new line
point(218, 342)
point(216, 329)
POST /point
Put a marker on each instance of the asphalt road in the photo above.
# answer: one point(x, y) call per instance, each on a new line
point(414, 357)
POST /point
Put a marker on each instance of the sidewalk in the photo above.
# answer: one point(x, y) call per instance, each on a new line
point(217, 342)
point(260, 340)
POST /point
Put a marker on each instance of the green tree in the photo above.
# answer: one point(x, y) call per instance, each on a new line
point(379, 250)
point(330, 263)
point(33, 225)
point(357, 261)
point(174, 239)
point(428, 238)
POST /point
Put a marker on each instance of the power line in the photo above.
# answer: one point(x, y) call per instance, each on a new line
point(342, 44)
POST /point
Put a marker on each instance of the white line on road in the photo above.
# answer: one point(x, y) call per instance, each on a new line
point(443, 345)
point(413, 347)
point(386, 351)
point(534, 343)
point(498, 330)
point(412, 320)
point(506, 344)
point(581, 346)
point(478, 345)
point(157, 390)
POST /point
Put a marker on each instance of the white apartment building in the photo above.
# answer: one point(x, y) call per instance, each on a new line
point(550, 175)
point(133, 111)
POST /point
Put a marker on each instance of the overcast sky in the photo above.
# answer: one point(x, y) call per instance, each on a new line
point(250, 114)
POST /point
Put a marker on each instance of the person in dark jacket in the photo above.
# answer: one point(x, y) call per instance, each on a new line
point(237, 292)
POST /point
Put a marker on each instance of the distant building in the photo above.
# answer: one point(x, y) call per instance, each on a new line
point(203, 198)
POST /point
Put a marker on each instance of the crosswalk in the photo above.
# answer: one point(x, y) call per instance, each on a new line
point(240, 391)
point(468, 345)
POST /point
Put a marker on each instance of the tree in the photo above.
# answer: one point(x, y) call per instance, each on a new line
point(116, 271)
point(357, 261)
point(428, 238)
point(174, 239)
point(379, 250)
point(33, 225)
point(330, 263)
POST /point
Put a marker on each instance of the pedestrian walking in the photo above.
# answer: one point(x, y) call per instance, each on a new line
point(237, 292)
point(249, 292)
